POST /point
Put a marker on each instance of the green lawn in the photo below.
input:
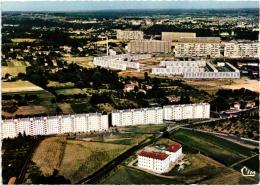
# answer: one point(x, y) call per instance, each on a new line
point(127, 175)
point(144, 128)
point(70, 91)
point(220, 149)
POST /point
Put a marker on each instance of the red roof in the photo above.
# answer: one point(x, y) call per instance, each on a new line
point(154, 155)
point(173, 148)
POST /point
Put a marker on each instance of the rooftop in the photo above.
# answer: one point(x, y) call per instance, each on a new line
point(154, 155)
point(173, 148)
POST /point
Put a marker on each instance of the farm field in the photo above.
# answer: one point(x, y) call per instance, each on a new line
point(27, 110)
point(86, 62)
point(14, 71)
point(222, 150)
point(59, 153)
point(65, 108)
point(19, 86)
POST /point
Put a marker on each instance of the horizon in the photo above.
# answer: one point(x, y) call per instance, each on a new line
point(80, 6)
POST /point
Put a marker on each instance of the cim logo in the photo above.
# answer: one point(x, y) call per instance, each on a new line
point(247, 172)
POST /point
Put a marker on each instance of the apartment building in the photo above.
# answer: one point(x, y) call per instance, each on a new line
point(137, 116)
point(186, 111)
point(169, 70)
point(241, 49)
point(149, 46)
point(213, 75)
point(154, 161)
point(129, 35)
point(177, 63)
point(54, 124)
point(176, 36)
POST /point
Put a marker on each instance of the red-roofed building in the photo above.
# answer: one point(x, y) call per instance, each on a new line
point(175, 151)
point(154, 161)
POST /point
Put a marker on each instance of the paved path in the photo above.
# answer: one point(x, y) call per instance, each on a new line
point(232, 165)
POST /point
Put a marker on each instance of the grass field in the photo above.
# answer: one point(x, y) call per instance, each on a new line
point(144, 128)
point(124, 139)
point(86, 62)
point(18, 40)
point(58, 85)
point(127, 175)
point(222, 150)
point(14, 71)
point(74, 159)
point(70, 91)
point(19, 86)
point(65, 108)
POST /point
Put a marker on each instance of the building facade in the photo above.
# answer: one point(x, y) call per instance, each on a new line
point(241, 50)
point(129, 35)
point(154, 161)
point(54, 125)
point(149, 46)
point(202, 50)
point(176, 36)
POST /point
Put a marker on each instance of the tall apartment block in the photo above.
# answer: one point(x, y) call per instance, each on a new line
point(54, 124)
point(129, 35)
point(241, 50)
point(149, 46)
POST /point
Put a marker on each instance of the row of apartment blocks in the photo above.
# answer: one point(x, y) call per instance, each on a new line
point(54, 125)
point(158, 114)
point(186, 44)
point(97, 122)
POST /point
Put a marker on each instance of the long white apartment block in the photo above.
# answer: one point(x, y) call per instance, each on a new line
point(241, 50)
point(156, 115)
point(176, 36)
point(137, 116)
point(149, 46)
point(197, 50)
point(177, 63)
point(54, 124)
point(213, 75)
point(186, 111)
point(129, 35)
point(169, 70)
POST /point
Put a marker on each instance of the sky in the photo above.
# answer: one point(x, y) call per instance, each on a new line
point(25, 5)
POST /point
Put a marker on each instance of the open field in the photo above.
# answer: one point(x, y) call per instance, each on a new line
point(124, 139)
point(74, 159)
point(220, 149)
point(127, 175)
point(110, 40)
point(212, 86)
point(252, 85)
point(19, 86)
point(14, 71)
point(86, 62)
point(22, 40)
point(27, 110)
point(49, 154)
point(70, 91)
point(143, 128)
point(58, 85)
point(65, 108)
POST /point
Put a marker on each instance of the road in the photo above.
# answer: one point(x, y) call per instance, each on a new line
point(232, 165)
